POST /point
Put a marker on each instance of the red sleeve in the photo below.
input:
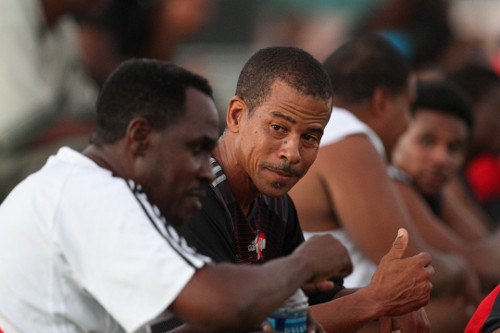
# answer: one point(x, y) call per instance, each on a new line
point(483, 175)
point(483, 312)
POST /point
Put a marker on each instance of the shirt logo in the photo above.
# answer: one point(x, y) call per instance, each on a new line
point(258, 245)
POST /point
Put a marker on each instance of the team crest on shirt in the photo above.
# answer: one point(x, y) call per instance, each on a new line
point(258, 245)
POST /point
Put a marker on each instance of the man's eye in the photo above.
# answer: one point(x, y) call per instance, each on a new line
point(277, 127)
point(455, 148)
point(310, 137)
point(197, 150)
point(426, 141)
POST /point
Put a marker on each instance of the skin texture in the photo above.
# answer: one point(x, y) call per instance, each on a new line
point(171, 175)
point(398, 287)
point(432, 149)
point(340, 174)
point(267, 152)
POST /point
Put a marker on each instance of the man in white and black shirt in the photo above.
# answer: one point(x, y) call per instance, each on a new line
point(86, 246)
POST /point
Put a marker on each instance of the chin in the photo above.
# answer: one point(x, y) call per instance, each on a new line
point(431, 191)
point(276, 191)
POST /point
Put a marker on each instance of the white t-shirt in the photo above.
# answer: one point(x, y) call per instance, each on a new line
point(84, 251)
point(341, 125)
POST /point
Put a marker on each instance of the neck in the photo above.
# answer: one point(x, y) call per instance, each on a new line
point(101, 156)
point(240, 183)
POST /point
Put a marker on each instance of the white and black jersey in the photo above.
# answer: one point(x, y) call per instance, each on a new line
point(84, 251)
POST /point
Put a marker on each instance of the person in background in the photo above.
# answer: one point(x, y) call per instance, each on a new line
point(46, 97)
point(88, 242)
point(347, 192)
point(477, 186)
point(140, 28)
point(275, 124)
point(427, 155)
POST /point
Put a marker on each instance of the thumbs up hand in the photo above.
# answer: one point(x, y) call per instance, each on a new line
point(401, 285)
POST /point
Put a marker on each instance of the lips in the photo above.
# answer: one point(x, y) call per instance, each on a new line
point(281, 176)
point(435, 179)
point(196, 192)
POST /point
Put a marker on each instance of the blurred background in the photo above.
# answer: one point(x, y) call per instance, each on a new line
point(215, 37)
point(57, 53)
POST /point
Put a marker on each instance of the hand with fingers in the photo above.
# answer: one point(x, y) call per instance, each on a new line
point(327, 257)
point(401, 285)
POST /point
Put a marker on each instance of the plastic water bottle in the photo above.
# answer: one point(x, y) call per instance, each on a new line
point(291, 317)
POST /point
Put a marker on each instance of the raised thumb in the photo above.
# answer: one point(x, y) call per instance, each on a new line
point(399, 245)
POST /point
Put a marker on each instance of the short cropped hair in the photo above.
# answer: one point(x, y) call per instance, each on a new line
point(364, 63)
point(293, 66)
point(443, 96)
point(153, 89)
point(476, 80)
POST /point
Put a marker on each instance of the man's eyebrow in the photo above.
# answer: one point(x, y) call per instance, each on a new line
point(293, 121)
point(315, 129)
point(287, 118)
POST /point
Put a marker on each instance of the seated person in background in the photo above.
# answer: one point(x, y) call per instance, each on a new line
point(430, 152)
point(140, 29)
point(347, 191)
point(86, 245)
point(274, 126)
point(47, 99)
point(477, 185)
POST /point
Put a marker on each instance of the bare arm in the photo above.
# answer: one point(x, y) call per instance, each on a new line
point(482, 256)
point(360, 193)
point(230, 297)
point(463, 215)
point(399, 286)
point(355, 183)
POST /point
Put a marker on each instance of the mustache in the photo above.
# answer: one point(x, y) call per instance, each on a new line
point(199, 191)
point(283, 167)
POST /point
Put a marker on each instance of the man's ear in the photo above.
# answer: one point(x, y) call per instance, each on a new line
point(379, 102)
point(236, 109)
point(138, 135)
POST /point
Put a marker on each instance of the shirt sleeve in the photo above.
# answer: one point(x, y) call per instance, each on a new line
point(121, 251)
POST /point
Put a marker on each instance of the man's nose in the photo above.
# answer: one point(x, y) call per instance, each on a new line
point(206, 172)
point(440, 155)
point(290, 149)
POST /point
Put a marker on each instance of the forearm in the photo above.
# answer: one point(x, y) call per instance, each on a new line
point(238, 297)
point(347, 313)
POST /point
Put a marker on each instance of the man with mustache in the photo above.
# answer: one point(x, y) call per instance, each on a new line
point(86, 246)
point(274, 126)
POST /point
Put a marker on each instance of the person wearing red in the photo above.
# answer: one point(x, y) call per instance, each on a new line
point(486, 319)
